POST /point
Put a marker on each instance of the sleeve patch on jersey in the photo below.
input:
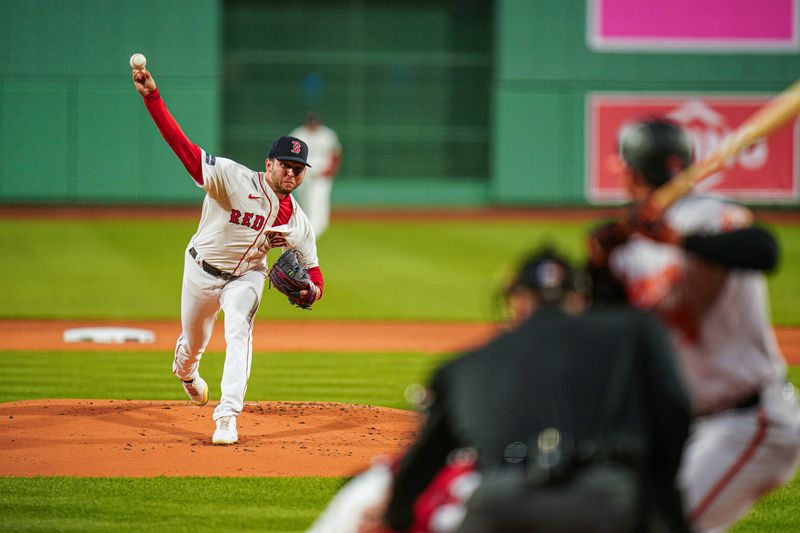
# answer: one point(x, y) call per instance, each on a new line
point(210, 159)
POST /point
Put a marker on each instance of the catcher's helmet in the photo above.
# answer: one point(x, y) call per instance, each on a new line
point(656, 148)
point(547, 274)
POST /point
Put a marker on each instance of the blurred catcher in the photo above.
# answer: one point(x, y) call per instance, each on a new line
point(563, 409)
point(700, 266)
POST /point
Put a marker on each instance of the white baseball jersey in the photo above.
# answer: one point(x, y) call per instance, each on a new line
point(315, 192)
point(235, 230)
point(323, 145)
point(719, 318)
point(745, 439)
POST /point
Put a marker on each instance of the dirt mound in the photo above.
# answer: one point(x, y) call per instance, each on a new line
point(142, 439)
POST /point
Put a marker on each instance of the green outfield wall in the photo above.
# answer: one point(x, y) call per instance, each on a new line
point(544, 71)
point(452, 102)
point(74, 130)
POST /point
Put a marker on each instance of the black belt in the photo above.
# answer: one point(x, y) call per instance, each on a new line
point(211, 269)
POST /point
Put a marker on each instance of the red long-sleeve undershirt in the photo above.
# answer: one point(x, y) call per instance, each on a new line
point(188, 152)
point(191, 157)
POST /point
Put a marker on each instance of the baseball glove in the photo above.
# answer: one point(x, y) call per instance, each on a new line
point(290, 278)
point(604, 238)
point(645, 220)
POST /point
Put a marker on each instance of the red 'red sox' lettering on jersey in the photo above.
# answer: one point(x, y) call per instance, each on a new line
point(256, 222)
point(250, 220)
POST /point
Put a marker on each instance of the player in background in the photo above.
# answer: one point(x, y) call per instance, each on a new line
point(325, 156)
point(701, 267)
point(245, 213)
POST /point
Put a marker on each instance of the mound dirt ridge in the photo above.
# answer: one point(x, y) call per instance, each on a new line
point(93, 438)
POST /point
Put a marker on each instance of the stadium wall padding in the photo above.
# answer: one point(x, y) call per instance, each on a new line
point(544, 71)
point(451, 102)
point(74, 130)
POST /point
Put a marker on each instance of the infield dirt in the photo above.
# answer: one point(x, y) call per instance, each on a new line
point(141, 439)
point(98, 438)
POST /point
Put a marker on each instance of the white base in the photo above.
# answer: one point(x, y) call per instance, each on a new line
point(109, 335)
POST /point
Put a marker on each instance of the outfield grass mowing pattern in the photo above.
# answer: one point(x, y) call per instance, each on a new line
point(131, 269)
point(179, 505)
point(366, 378)
point(409, 270)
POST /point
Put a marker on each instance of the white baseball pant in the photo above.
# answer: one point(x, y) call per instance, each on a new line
point(734, 457)
point(315, 199)
point(202, 297)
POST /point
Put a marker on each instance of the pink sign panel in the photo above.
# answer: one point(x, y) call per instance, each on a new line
point(701, 25)
point(767, 171)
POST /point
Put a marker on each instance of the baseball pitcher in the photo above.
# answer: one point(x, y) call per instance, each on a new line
point(245, 214)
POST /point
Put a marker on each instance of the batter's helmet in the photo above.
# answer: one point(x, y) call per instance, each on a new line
point(657, 149)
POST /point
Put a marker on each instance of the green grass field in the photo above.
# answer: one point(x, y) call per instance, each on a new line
point(186, 505)
point(364, 378)
point(125, 269)
point(411, 270)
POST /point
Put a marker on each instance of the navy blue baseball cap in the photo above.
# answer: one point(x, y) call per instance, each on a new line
point(547, 273)
point(289, 149)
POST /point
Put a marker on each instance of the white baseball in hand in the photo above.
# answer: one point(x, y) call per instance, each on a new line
point(138, 61)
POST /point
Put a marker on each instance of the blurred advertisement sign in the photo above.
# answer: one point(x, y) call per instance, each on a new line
point(765, 172)
point(722, 26)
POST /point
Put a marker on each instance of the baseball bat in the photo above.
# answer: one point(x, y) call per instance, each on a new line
point(774, 114)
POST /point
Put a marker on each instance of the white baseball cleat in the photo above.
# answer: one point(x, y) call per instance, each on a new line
point(197, 389)
point(226, 431)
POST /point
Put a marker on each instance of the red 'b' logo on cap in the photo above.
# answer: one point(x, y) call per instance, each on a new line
point(296, 147)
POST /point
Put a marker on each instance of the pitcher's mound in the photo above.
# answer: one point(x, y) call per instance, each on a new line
point(149, 438)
